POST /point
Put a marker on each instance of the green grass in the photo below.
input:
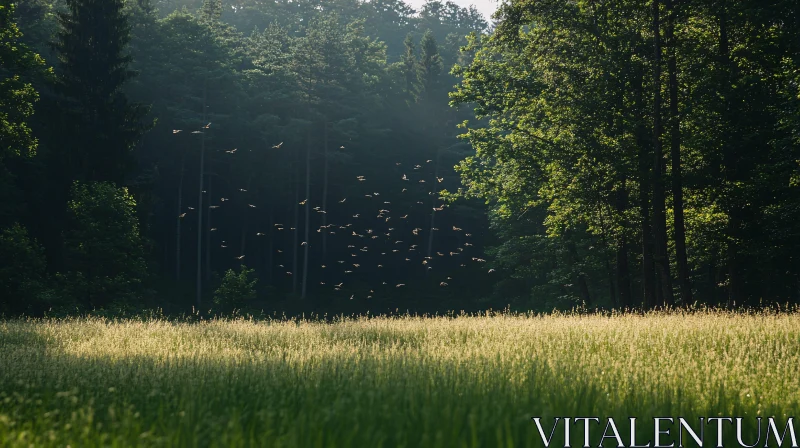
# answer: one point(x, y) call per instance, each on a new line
point(411, 382)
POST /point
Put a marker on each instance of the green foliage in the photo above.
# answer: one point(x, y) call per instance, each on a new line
point(565, 141)
point(24, 285)
point(237, 291)
point(430, 65)
point(17, 96)
point(99, 126)
point(104, 252)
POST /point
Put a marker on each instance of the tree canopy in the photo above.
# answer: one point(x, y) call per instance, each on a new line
point(367, 156)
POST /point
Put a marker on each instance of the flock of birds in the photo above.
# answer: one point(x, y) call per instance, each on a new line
point(378, 233)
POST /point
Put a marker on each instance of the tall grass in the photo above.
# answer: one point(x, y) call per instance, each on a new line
point(384, 382)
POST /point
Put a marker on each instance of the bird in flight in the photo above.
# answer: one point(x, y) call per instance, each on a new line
point(177, 131)
point(278, 146)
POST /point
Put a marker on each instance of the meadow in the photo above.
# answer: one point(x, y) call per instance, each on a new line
point(447, 381)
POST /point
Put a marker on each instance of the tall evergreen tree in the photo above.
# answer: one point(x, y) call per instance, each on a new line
point(430, 68)
point(410, 67)
point(99, 127)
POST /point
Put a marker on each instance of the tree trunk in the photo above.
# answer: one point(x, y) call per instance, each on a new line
point(200, 204)
point(729, 162)
point(623, 273)
point(208, 232)
point(679, 226)
point(295, 224)
point(612, 290)
point(660, 255)
point(271, 246)
point(648, 272)
point(580, 278)
point(308, 216)
point(325, 196)
point(178, 227)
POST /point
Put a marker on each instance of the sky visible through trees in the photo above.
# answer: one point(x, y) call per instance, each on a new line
point(349, 156)
point(486, 7)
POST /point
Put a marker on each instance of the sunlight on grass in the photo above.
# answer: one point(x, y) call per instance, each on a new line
point(466, 381)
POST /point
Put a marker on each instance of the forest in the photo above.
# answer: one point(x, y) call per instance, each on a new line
point(355, 156)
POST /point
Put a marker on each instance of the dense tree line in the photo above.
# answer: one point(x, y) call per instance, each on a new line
point(640, 152)
point(294, 155)
point(184, 145)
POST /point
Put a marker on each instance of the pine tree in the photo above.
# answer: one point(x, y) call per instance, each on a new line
point(211, 12)
point(100, 127)
point(410, 67)
point(430, 68)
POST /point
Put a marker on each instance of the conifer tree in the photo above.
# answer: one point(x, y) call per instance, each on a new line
point(100, 127)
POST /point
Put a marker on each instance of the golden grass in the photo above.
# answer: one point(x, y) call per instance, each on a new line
point(414, 382)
